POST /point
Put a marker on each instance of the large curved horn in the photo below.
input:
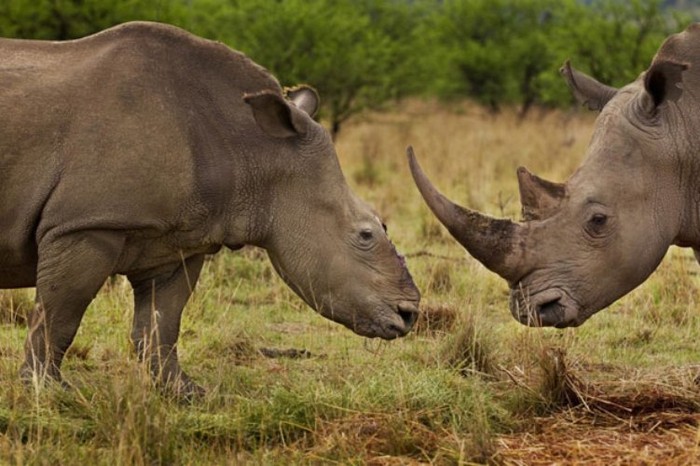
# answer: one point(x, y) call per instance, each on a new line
point(496, 243)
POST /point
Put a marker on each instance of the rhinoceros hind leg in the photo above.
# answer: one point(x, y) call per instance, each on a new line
point(160, 296)
point(71, 269)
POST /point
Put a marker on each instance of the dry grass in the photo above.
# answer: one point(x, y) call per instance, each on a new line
point(578, 440)
point(15, 307)
point(435, 319)
point(646, 421)
point(469, 351)
point(640, 417)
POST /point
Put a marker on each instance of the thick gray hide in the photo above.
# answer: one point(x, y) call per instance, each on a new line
point(139, 150)
point(585, 243)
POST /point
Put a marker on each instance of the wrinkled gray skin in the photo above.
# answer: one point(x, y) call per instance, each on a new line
point(585, 243)
point(141, 149)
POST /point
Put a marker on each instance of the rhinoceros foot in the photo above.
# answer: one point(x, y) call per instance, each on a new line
point(171, 380)
point(182, 388)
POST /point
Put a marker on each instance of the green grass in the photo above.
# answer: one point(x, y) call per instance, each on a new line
point(444, 394)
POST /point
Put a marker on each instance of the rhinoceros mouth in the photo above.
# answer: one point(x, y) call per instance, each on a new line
point(387, 321)
point(549, 308)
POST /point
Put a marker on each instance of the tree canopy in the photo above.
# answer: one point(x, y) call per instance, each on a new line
point(365, 53)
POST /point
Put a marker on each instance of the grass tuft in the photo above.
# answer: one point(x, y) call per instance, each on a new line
point(470, 350)
point(558, 387)
point(435, 320)
point(15, 306)
point(440, 279)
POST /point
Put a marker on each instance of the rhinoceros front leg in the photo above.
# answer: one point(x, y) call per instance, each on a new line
point(159, 298)
point(70, 271)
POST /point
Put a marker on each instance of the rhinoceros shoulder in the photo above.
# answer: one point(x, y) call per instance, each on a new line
point(166, 43)
point(131, 47)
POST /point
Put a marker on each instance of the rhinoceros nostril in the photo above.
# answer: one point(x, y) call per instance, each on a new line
point(551, 313)
point(408, 313)
point(544, 307)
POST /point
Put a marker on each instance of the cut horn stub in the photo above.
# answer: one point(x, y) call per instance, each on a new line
point(494, 242)
point(539, 198)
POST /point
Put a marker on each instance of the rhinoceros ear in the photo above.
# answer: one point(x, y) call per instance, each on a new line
point(539, 198)
point(304, 97)
point(586, 90)
point(662, 80)
point(276, 116)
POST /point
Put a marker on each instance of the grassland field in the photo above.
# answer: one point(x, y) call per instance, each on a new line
point(469, 386)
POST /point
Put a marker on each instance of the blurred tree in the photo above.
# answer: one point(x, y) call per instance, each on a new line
point(496, 51)
point(365, 53)
point(356, 53)
point(508, 51)
point(70, 19)
point(470, 60)
point(616, 40)
point(530, 55)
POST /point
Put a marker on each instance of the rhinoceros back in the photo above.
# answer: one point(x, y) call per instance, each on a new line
point(129, 129)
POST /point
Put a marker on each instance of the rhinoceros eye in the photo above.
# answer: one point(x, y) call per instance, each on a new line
point(599, 220)
point(596, 224)
point(366, 235)
point(366, 239)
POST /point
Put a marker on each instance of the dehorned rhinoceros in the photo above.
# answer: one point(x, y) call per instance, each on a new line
point(141, 149)
point(585, 243)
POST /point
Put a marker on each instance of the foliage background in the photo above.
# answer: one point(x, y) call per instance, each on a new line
point(367, 53)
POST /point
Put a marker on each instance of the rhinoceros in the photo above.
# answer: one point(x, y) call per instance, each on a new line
point(583, 244)
point(140, 150)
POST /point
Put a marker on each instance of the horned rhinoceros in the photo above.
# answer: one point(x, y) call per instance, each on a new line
point(585, 243)
point(141, 149)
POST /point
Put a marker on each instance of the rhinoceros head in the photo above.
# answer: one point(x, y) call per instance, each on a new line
point(329, 246)
point(585, 243)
